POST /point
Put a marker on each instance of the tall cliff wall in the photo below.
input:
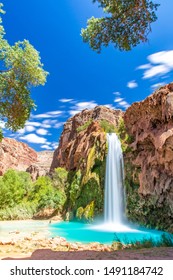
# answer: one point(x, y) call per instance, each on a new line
point(149, 164)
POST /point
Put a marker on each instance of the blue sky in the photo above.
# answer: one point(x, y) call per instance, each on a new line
point(80, 78)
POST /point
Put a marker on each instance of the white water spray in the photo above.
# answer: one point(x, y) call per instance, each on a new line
point(114, 205)
point(114, 187)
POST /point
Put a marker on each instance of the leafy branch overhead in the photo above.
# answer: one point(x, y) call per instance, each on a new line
point(21, 69)
point(126, 24)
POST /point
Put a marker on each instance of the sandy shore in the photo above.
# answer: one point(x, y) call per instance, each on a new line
point(24, 240)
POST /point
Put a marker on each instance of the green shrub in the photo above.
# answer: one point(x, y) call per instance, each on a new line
point(79, 213)
point(84, 126)
point(106, 126)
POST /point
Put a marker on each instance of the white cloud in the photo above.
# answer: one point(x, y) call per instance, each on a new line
point(33, 138)
point(121, 102)
point(42, 131)
point(109, 106)
point(21, 131)
point(29, 128)
point(144, 66)
point(118, 99)
point(73, 112)
point(124, 104)
point(155, 86)
point(54, 113)
point(47, 115)
point(47, 147)
point(58, 125)
point(117, 93)
point(164, 57)
point(160, 63)
point(33, 123)
point(65, 100)
point(132, 84)
point(49, 121)
point(79, 106)
point(2, 124)
point(156, 71)
point(55, 145)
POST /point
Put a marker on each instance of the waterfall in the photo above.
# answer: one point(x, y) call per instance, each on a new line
point(114, 188)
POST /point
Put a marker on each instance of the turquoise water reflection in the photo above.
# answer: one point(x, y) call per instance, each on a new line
point(85, 233)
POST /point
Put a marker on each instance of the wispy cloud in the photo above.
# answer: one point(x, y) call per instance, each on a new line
point(42, 131)
point(47, 115)
point(132, 84)
point(46, 147)
point(121, 102)
point(79, 106)
point(156, 86)
point(160, 63)
point(65, 100)
point(33, 138)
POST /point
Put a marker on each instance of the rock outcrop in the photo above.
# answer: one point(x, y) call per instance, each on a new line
point(42, 166)
point(15, 155)
point(79, 135)
point(150, 126)
point(19, 156)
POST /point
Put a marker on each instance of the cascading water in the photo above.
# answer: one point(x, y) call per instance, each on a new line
point(114, 206)
point(114, 188)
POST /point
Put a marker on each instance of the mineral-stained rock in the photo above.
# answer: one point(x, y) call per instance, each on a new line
point(15, 155)
point(75, 142)
point(150, 123)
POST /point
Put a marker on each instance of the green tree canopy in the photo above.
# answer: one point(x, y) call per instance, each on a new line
point(126, 24)
point(20, 70)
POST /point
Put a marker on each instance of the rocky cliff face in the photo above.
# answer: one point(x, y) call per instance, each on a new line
point(81, 158)
point(79, 135)
point(19, 156)
point(42, 166)
point(149, 164)
point(15, 155)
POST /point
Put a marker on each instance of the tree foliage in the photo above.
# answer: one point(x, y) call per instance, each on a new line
point(126, 24)
point(21, 69)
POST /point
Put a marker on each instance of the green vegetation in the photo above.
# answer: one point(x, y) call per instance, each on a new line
point(84, 126)
point(166, 240)
point(20, 198)
point(21, 69)
point(126, 24)
point(106, 126)
point(124, 137)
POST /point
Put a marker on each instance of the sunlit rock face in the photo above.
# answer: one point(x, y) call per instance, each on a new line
point(80, 134)
point(15, 155)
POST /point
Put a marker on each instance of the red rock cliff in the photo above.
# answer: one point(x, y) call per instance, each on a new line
point(149, 164)
point(79, 135)
point(15, 155)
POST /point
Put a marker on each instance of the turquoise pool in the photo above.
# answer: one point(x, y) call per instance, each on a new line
point(86, 233)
